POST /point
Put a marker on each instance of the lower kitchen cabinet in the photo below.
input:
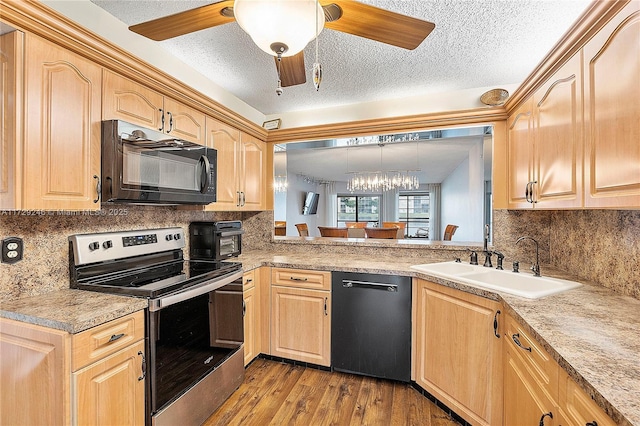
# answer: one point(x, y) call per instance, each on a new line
point(458, 352)
point(250, 314)
point(300, 316)
point(96, 377)
point(538, 391)
point(111, 391)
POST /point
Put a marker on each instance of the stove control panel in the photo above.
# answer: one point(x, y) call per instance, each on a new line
point(91, 248)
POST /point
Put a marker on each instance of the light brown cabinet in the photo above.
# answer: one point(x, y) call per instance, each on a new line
point(94, 377)
point(242, 168)
point(535, 385)
point(301, 315)
point(250, 313)
point(612, 111)
point(545, 144)
point(61, 145)
point(127, 100)
point(457, 351)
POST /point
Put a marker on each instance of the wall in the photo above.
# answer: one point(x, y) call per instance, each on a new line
point(45, 265)
point(462, 198)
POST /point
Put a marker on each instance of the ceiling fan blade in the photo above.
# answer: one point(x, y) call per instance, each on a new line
point(292, 70)
point(378, 24)
point(186, 22)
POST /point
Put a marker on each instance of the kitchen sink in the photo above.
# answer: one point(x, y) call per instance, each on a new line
point(519, 284)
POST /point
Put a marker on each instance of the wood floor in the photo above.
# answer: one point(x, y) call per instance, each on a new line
point(275, 393)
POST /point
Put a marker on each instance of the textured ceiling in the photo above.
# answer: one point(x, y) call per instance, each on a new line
point(483, 43)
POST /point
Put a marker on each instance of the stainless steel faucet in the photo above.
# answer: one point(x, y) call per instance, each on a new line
point(536, 266)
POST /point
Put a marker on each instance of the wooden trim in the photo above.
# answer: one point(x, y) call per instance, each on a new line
point(37, 18)
point(388, 125)
point(588, 24)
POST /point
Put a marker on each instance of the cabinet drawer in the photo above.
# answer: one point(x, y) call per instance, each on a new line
point(578, 407)
point(103, 340)
point(248, 280)
point(540, 365)
point(301, 278)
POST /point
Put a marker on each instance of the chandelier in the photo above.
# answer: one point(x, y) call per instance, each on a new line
point(280, 184)
point(382, 181)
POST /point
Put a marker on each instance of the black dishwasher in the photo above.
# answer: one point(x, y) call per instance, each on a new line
point(371, 325)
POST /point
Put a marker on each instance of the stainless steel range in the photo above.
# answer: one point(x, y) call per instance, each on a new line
point(194, 322)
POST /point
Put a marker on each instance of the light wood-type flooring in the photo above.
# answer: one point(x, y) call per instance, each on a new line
point(275, 393)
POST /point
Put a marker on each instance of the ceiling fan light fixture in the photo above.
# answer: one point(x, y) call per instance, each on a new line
point(291, 23)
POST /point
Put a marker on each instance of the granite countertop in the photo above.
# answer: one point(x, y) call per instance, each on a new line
point(70, 310)
point(592, 332)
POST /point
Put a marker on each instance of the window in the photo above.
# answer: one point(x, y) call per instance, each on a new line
point(413, 209)
point(358, 208)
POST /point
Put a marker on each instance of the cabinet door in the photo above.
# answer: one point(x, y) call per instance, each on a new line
point(62, 140)
point(578, 406)
point(226, 140)
point(558, 138)
point(520, 154)
point(459, 357)
point(126, 100)
point(612, 111)
point(301, 324)
point(184, 122)
point(524, 401)
point(250, 318)
point(253, 170)
point(11, 61)
point(34, 375)
point(111, 391)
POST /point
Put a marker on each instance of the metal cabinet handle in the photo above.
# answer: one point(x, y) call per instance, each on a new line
point(249, 280)
point(495, 324)
point(325, 307)
point(115, 337)
point(593, 423)
point(238, 199)
point(532, 201)
point(144, 366)
point(526, 192)
point(161, 120)
point(549, 414)
point(297, 279)
point(242, 198)
point(98, 188)
point(170, 121)
point(516, 339)
point(244, 308)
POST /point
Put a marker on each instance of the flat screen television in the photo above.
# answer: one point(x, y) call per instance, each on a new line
point(310, 203)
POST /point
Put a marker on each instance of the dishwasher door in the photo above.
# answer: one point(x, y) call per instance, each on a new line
point(371, 325)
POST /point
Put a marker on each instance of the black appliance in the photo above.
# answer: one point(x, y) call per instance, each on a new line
point(194, 320)
point(215, 240)
point(150, 167)
point(371, 325)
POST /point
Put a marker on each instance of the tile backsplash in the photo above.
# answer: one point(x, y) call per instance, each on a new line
point(602, 246)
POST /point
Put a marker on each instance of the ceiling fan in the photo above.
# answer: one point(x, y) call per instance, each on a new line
point(307, 18)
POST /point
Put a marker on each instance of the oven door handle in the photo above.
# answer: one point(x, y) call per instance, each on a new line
point(231, 233)
point(163, 302)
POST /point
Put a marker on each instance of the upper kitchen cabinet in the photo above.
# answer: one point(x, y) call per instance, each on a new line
point(241, 168)
point(11, 61)
point(544, 144)
point(612, 111)
point(61, 144)
point(129, 101)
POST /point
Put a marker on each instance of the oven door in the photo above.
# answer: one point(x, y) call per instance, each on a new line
point(191, 335)
point(228, 243)
point(144, 166)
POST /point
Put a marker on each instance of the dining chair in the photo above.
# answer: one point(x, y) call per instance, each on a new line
point(400, 225)
point(385, 233)
point(303, 229)
point(449, 231)
point(356, 229)
point(330, 231)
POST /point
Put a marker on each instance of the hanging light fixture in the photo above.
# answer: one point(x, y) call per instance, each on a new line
point(281, 27)
point(380, 180)
point(280, 184)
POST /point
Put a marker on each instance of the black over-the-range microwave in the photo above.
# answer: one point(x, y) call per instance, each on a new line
point(150, 167)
